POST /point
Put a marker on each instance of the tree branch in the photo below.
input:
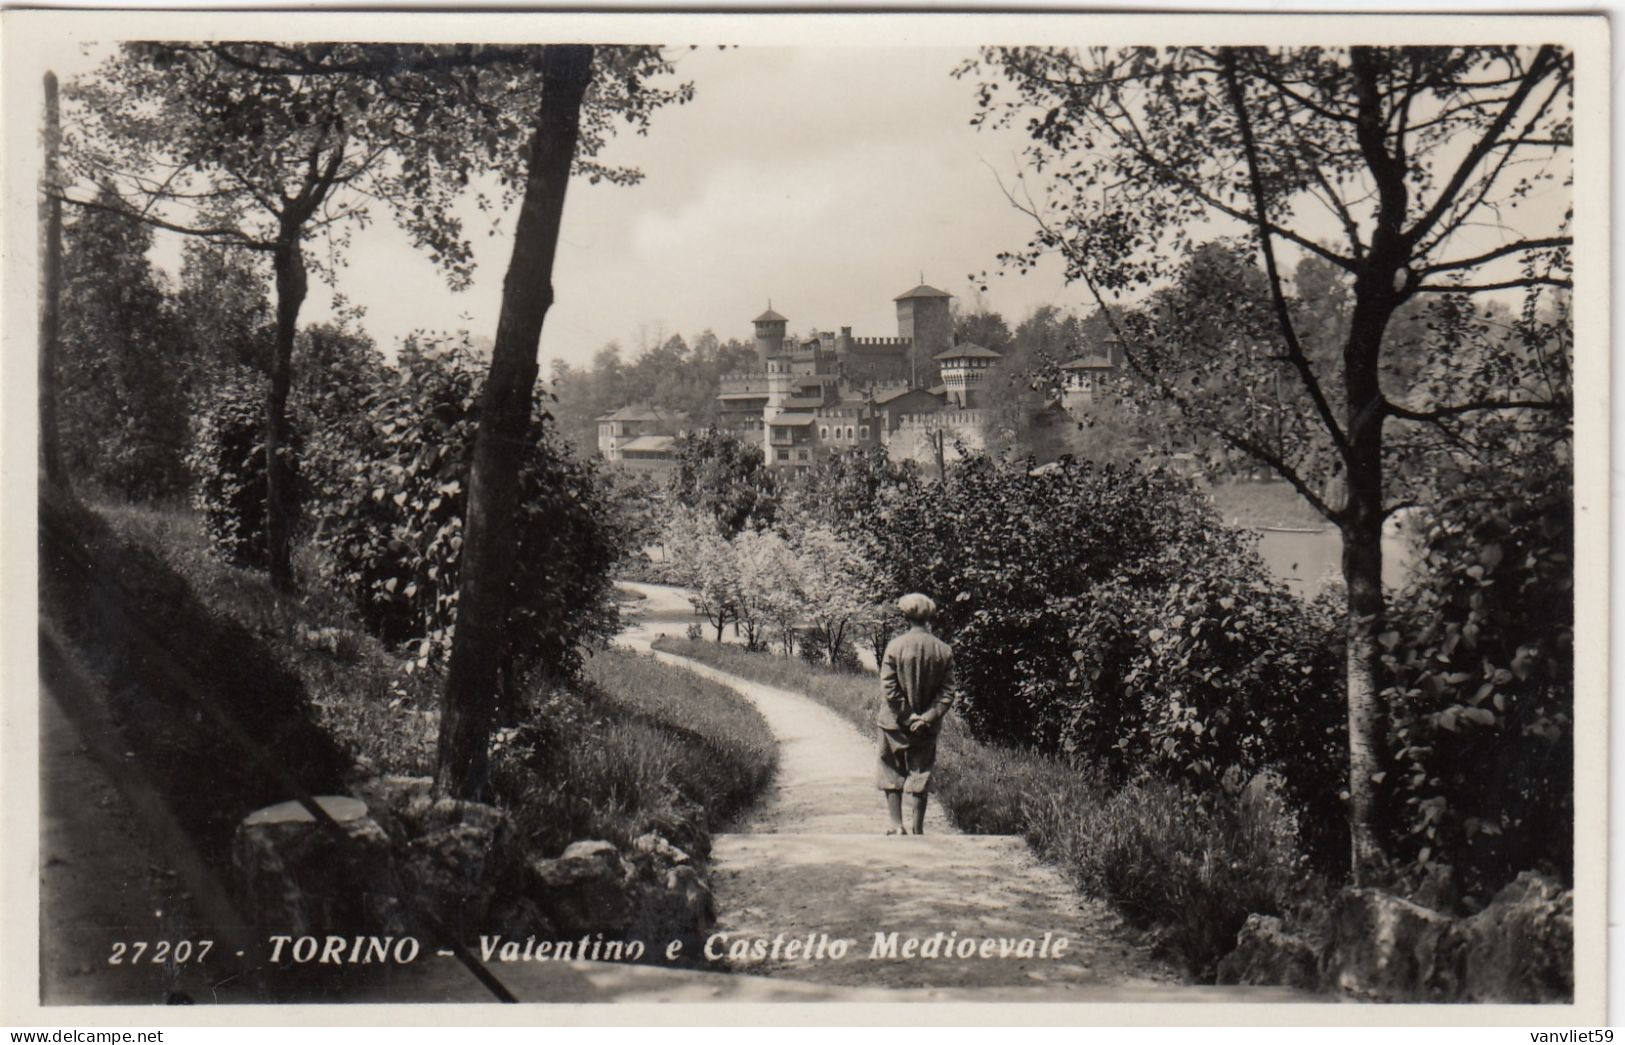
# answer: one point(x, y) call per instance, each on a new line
point(214, 233)
point(1522, 283)
point(1544, 59)
point(1283, 314)
point(1500, 252)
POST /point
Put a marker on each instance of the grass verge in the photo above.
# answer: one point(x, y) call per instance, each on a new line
point(637, 747)
point(1188, 868)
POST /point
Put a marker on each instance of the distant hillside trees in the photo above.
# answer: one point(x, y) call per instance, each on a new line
point(671, 374)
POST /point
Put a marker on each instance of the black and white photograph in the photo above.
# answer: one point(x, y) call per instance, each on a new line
point(1101, 513)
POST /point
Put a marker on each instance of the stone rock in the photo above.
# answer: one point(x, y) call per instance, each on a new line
point(297, 877)
point(460, 857)
point(1520, 948)
point(695, 905)
point(389, 796)
point(586, 889)
point(1388, 949)
point(1266, 955)
point(675, 906)
point(656, 846)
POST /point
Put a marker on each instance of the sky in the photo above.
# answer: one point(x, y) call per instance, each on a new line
point(827, 181)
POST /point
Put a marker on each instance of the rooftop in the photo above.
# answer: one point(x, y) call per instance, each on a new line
point(650, 444)
point(922, 291)
point(802, 402)
point(968, 351)
point(770, 316)
point(1088, 363)
point(893, 393)
point(791, 420)
point(637, 413)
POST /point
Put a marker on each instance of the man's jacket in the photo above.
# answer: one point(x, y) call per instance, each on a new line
point(917, 678)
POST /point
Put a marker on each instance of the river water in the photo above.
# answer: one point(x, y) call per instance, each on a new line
point(1306, 561)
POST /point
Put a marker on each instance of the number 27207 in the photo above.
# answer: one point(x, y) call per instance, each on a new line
point(159, 952)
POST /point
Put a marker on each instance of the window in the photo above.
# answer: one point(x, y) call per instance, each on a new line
point(784, 455)
point(823, 432)
point(849, 433)
point(801, 455)
point(863, 432)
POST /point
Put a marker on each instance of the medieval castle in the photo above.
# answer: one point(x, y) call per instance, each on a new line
point(809, 397)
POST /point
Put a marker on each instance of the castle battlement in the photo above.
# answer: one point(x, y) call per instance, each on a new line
point(881, 342)
point(745, 375)
point(944, 419)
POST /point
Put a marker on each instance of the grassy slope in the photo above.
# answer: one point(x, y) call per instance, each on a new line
point(1188, 871)
point(635, 746)
point(651, 748)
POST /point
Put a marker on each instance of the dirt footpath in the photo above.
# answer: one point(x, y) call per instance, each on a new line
point(812, 866)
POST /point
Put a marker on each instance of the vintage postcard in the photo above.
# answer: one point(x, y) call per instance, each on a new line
point(790, 517)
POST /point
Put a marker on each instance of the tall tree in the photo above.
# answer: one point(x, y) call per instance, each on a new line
point(1401, 167)
point(123, 416)
point(468, 711)
point(51, 466)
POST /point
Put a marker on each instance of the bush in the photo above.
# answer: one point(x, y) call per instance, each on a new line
point(1108, 614)
point(1481, 655)
point(227, 462)
point(394, 532)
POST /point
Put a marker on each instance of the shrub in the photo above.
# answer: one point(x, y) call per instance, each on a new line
point(1481, 655)
point(1108, 614)
point(394, 533)
point(227, 462)
point(1234, 675)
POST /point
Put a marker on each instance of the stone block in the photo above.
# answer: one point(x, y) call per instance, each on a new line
point(1266, 955)
point(1388, 949)
point(295, 876)
point(1520, 948)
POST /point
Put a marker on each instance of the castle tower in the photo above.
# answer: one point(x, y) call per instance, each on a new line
point(922, 316)
point(964, 370)
point(769, 336)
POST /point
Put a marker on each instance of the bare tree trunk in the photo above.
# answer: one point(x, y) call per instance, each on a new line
point(50, 443)
point(1361, 526)
point(291, 286)
point(479, 646)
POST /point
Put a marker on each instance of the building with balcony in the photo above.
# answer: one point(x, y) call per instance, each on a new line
point(641, 438)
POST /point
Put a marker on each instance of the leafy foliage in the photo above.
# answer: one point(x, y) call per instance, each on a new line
point(395, 531)
point(227, 461)
point(1482, 662)
point(721, 476)
point(1108, 614)
point(1413, 151)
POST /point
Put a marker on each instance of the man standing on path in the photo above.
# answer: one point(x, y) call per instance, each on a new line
point(916, 677)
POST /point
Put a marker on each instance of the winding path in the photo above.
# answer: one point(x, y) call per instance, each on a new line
point(811, 863)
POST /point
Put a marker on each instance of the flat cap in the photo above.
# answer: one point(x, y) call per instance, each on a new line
point(917, 607)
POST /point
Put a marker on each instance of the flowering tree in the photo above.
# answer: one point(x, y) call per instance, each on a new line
point(770, 580)
point(703, 561)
